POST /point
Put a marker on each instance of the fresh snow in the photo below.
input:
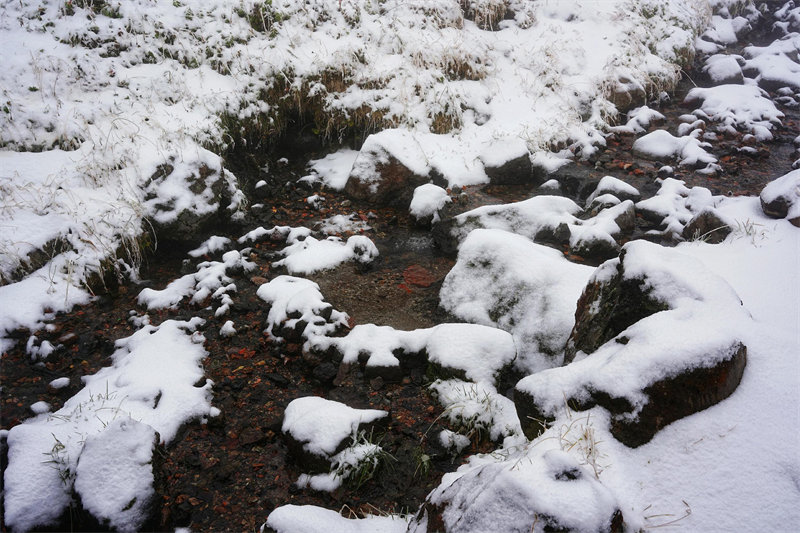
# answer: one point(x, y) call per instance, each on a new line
point(321, 425)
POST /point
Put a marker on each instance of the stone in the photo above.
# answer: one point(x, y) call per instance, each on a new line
point(517, 171)
point(708, 226)
point(389, 166)
point(536, 491)
point(659, 317)
point(781, 198)
point(205, 193)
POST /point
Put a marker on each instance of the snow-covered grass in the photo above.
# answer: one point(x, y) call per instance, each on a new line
point(98, 97)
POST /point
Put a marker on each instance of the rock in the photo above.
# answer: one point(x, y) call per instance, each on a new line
point(390, 165)
point(654, 315)
point(114, 478)
point(517, 171)
point(707, 225)
point(504, 280)
point(626, 94)
point(316, 429)
point(251, 435)
point(183, 199)
point(325, 372)
point(781, 198)
point(550, 491)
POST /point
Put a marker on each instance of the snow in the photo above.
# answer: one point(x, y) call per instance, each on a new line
point(210, 281)
point(312, 255)
point(311, 519)
point(506, 281)
point(787, 188)
point(321, 425)
point(662, 145)
point(614, 186)
point(737, 107)
point(428, 199)
point(334, 169)
point(480, 351)
point(114, 476)
point(59, 383)
point(152, 380)
point(639, 120)
point(211, 245)
point(40, 407)
point(724, 68)
point(292, 296)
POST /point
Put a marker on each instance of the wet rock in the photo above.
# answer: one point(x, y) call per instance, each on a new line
point(781, 198)
point(707, 225)
point(325, 372)
point(250, 435)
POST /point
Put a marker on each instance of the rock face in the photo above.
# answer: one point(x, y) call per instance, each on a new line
point(781, 198)
point(517, 171)
point(539, 493)
point(656, 335)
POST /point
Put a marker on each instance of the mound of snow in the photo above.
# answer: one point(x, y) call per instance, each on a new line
point(428, 199)
point(662, 145)
point(735, 108)
point(312, 519)
point(506, 281)
point(152, 380)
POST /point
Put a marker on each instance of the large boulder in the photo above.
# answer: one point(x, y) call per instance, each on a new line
point(781, 198)
point(655, 339)
point(508, 162)
point(543, 492)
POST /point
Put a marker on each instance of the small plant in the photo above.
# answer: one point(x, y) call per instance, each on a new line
point(358, 463)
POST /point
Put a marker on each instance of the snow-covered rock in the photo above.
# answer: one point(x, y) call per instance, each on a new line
point(663, 146)
point(298, 311)
point(427, 201)
point(506, 281)
point(723, 69)
point(312, 519)
point(159, 392)
point(317, 429)
point(114, 477)
point(781, 198)
point(550, 491)
point(735, 108)
point(655, 339)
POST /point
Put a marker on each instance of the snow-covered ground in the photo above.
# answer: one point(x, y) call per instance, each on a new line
point(115, 119)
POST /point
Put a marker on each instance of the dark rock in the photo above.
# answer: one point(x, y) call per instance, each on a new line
point(278, 380)
point(250, 435)
point(517, 171)
point(707, 226)
point(606, 308)
point(394, 186)
point(780, 198)
point(325, 372)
